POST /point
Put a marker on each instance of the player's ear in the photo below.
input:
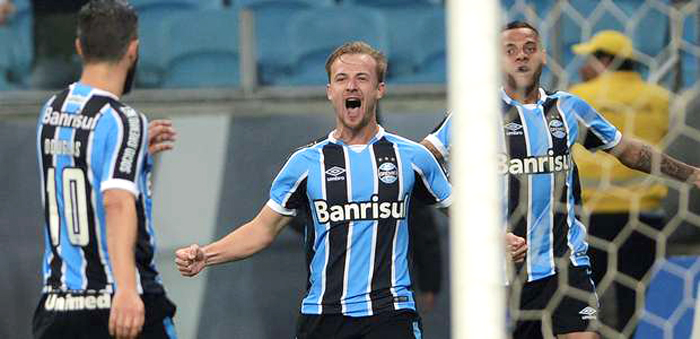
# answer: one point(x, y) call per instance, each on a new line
point(132, 51)
point(79, 48)
point(544, 56)
point(328, 91)
point(381, 87)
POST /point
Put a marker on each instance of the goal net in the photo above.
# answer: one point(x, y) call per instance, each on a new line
point(642, 230)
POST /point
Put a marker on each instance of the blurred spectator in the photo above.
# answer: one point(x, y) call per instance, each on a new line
point(55, 63)
point(612, 193)
point(6, 9)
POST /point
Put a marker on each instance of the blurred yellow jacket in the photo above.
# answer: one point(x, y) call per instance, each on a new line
point(638, 109)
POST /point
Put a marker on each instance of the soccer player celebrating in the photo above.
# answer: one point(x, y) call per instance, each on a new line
point(355, 183)
point(100, 279)
point(543, 192)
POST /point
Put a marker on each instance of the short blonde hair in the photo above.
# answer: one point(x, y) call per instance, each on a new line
point(358, 47)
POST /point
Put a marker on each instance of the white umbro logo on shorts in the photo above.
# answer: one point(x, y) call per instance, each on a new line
point(588, 313)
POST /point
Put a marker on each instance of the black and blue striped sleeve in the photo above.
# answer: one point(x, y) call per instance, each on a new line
point(596, 132)
point(125, 148)
point(288, 192)
point(432, 185)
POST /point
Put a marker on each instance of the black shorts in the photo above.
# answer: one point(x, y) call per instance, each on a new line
point(393, 324)
point(573, 309)
point(86, 315)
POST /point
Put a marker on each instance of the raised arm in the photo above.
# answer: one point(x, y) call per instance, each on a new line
point(638, 155)
point(243, 242)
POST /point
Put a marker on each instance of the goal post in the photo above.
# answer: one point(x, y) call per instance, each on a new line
point(476, 238)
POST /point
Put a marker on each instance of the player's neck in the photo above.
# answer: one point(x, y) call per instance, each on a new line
point(360, 136)
point(527, 95)
point(105, 76)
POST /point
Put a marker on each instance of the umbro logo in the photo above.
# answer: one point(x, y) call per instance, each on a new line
point(513, 128)
point(588, 313)
point(335, 173)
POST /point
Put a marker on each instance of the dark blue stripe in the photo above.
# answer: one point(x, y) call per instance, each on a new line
point(382, 280)
point(71, 254)
point(336, 194)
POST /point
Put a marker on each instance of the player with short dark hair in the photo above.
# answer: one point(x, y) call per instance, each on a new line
point(542, 190)
point(100, 279)
point(355, 184)
point(105, 33)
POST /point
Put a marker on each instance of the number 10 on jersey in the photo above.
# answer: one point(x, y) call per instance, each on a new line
point(74, 206)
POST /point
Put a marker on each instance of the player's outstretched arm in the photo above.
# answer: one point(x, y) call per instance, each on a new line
point(161, 136)
point(638, 155)
point(243, 242)
point(126, 316)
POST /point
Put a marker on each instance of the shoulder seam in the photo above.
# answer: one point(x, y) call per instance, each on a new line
point(409, 141)
point(310, 145)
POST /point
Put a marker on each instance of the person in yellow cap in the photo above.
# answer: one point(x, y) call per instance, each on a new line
point(620, 199)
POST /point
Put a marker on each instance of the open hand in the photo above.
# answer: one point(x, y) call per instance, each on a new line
point(161, 136)
point(127, 314)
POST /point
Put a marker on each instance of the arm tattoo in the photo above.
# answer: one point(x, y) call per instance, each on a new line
point(675, 168)
point(644, 160)
point(669, 166)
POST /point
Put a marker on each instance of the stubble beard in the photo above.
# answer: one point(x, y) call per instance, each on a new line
point(364, 121)
point(528, 88)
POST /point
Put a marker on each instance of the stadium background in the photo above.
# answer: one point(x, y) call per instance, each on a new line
point(243, 93)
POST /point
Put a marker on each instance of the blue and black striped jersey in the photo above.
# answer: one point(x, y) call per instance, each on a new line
point(541, 185)
point(442, 135)
point(358, 197)
point(89, 142)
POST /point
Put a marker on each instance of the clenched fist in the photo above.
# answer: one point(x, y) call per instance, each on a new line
point(190, 260)
point(516, 247)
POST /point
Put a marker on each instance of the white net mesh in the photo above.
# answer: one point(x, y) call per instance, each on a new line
point(665, 37)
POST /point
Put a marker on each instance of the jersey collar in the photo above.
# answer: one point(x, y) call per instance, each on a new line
point(94, 91)
point(510, 101)
point(375, 138)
